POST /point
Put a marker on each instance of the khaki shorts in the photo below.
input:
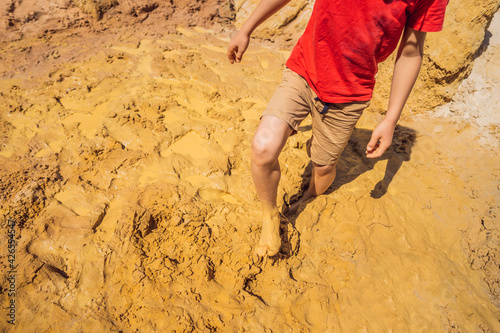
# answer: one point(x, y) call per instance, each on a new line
point(294, 100)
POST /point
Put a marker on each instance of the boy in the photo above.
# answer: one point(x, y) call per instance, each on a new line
point(331, 74)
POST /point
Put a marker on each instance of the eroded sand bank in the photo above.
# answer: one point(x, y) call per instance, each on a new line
point(128, 174)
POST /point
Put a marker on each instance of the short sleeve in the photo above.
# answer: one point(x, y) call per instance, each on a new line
point(427, 15)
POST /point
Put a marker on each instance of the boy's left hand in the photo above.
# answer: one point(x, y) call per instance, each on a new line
point(381, 139)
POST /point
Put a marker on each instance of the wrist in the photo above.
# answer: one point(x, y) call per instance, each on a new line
point(246, 30)
point(392, 116)
point(391, 120)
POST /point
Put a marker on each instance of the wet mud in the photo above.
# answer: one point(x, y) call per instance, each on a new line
point(126, 167)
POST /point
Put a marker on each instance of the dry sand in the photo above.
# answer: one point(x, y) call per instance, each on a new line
point(125, 161)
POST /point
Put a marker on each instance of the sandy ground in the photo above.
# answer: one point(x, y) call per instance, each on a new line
point(478, 97)
point(125, 163)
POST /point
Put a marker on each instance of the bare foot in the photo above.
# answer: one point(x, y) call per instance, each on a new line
point(292, 209)
point(270, 241)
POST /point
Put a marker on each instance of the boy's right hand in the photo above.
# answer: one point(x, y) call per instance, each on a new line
point(237, 47)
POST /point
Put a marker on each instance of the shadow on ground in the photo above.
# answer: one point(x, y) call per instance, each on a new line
point(353, 163)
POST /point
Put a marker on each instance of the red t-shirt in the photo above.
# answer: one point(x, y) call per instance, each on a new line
point(346, 39)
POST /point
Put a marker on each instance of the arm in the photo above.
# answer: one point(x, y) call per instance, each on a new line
point(262, 12)
point(408, 62)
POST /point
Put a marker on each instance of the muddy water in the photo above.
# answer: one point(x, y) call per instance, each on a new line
point(128, 174)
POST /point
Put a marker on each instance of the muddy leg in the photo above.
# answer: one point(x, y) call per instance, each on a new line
point(267, 143)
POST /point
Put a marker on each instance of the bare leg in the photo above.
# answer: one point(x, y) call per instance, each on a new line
point(321, 178)
point(267, 143)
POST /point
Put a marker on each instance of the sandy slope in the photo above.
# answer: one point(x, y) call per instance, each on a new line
point(478, 97)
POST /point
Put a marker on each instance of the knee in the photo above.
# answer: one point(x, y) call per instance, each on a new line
point(323, 170)
point(263, 150)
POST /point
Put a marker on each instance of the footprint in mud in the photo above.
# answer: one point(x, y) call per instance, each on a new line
point(215, 195)
point(49, 253)
point(192, 145)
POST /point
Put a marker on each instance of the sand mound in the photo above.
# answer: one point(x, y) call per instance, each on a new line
point(478, 97)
